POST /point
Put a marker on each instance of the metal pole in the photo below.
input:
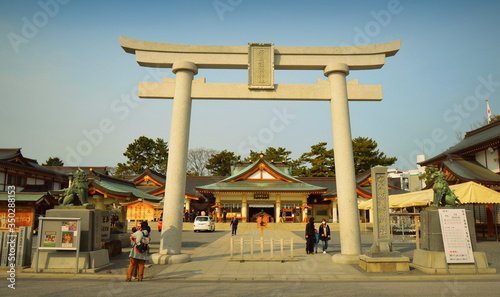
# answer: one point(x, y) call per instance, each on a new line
point(417, 231)
point(40, 230)
point(495, 212)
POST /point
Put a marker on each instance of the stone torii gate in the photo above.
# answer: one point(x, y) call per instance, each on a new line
point(260, 59)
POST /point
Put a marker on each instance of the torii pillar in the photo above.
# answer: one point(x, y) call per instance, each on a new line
point(261, 59)
point(350, 237)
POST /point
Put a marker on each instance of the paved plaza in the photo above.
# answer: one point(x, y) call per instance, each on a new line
point(211, 259)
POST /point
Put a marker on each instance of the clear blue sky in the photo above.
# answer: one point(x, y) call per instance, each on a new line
point(65, 80)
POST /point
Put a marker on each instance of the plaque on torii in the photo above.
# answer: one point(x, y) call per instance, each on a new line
point(261, 59)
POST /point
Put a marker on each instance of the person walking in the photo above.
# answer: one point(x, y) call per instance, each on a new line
point(138, 254)
point(224, 214)
point(310, 237)
point(234, 225)
point(324, 234)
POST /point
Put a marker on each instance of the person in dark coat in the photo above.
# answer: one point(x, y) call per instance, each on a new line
point(310, 236)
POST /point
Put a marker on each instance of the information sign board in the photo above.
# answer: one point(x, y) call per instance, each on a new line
point(456, 236)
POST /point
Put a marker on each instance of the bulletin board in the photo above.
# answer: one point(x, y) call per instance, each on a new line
point(59, 234)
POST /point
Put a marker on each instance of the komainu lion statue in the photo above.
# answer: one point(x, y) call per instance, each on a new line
point(443, 195)
point(77, 191)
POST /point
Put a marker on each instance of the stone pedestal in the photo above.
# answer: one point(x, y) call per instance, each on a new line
point(384, 264)
point(65, 261)
point(433, 262)
point(431, 238)
point(430, 257)
point(170, 259)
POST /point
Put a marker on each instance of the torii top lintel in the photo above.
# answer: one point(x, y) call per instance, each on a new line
point(163, 55)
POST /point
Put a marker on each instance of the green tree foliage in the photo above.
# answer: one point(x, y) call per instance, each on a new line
point(366, 155)
point(428, 175)
point(319, 159)
point(220, 164)
point(144, 153)
point(271, 154)
point(53, 161)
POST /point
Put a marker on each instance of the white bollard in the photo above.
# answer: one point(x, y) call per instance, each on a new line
point(272, 247)
point(231, 244)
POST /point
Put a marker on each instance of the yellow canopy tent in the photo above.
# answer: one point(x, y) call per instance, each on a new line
point(473, 193)
point(467, 193)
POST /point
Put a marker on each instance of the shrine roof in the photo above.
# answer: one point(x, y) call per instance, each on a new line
point(121, 189)
point(259, 176)
point(470, 170)
point(13, 158)
point(161, 178)
point(25, 196)
point(475, 140)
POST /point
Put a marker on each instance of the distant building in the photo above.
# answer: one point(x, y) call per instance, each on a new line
point(261, 186)
point(29, 183)
point(408, 180)
point(26, 174)
point(475, 158)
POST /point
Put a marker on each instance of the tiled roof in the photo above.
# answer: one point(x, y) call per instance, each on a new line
point(238, 182)
point(478, 139)
point(13, 158)
point(121, 189)
point(469, 170)
point(24, 196)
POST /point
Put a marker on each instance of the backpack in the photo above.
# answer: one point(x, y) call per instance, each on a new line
point(145, 239)
point(143, 245)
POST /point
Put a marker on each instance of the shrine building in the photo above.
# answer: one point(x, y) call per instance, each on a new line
point(262, 186)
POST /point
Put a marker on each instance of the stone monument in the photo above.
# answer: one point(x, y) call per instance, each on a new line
point(380, 257)
point(260, 59)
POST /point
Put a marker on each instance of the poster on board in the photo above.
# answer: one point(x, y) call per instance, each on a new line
point(456, 236)
point(67, 239)
point(49, 239)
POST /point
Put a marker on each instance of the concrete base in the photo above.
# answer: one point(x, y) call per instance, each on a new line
point(384, 264)
point(158, 258)
point(345, 259)
point(435, 263)
point(64, 261)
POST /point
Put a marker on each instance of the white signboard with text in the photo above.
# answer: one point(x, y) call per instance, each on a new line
point(456, 236)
